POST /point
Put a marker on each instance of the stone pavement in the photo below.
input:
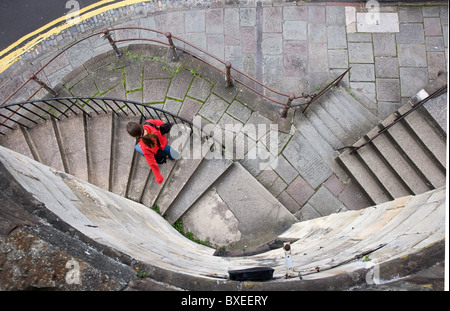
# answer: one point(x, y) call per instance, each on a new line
point(292, 47)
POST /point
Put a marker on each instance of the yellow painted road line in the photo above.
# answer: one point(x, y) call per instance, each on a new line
point(88, 11)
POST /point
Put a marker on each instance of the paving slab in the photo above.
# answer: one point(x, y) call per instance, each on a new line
point(359, 37)
point(412, 55)
point(436, 63)
point(239, 111)
point(410, 14)
point(190, 108)
point(213, 108)
point(360, 52)
point(306, 161)
point(133, 75)
point(295, 30)
point(200, 89)
point(155, 90)
point(325, 202)
point(272, 182)
point(412, 80)
point(338, 59)
point(379, 22)
point(272, 17)
point(317, 14)
point(289, 202)
point(435, 44)
point(386, 67)
point(295, 65)
point(105, 78)
point(181, 82)
point(410, 33)
point(384, 44)
point(317, 33)
point(335, 15)
point(388, 90)
point(336, 37)
point(307, 212)
point(432, 26)
point(362, 72)
point(284, 169)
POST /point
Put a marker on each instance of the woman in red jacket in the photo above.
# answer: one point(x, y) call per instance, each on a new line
point(152, 139)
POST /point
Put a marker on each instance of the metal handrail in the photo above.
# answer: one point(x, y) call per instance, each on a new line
point(85, 105)
point(399, 117)
point(314, 97)
point(106, 33)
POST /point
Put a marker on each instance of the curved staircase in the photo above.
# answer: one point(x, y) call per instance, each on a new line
point(97, 149)
point(98, 154)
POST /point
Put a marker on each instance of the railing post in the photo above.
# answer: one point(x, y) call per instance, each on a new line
point(287, 106)
point(228, 75)
point(172, 52)
point(43, 84)
point(107, 35)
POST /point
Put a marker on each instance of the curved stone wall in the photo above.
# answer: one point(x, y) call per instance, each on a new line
point(334, 252)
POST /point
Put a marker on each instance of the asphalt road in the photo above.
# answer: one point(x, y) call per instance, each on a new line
point(21, 17)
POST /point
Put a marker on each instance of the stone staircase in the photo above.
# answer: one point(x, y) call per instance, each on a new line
point(218, 196)
point(408, 159)
point(335, 120)
point(98, 150)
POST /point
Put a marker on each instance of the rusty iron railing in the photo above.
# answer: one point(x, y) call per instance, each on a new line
point(314, 97)
point(227, 70)
point(398, 118)
point(61, 107)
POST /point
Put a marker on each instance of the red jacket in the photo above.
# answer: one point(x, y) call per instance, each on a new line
point(149, 153)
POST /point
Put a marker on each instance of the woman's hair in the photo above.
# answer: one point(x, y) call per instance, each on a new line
point(135, 129)
point(150, 140)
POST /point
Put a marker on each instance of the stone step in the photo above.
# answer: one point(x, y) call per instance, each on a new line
point(44, 140)
point(177, 139)
point(407, 172)
point(183, 170)
point(72, 140)
point(326, 152)
point(436, 109)
point(431, 139)
point(339, 114)
point(363, 176)
point(140, 174)
point(353, 118)
point(411, 146)
point(323, 130)
point(333, 126)
point(206, 174)
point(350, 100)
point(122, 150)
point(99, 130)
point(407, 159)
point(383, 171)
point(362, 119)
point(17, 141)
point(237, 211)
